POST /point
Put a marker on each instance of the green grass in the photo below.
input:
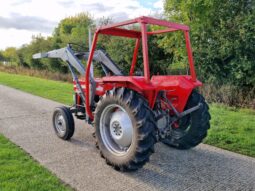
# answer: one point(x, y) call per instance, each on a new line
point(18, 171)
point(54, 90)
point(231, 129)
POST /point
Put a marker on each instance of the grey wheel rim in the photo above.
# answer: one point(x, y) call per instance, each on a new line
point(60, 124)
point(116, 129)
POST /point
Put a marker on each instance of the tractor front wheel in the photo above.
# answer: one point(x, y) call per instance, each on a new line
point(193, 127)
point(63, 122)
point(124, 129)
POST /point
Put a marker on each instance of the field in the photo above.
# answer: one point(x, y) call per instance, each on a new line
point(231, 129)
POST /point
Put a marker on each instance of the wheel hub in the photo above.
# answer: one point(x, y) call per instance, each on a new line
point(60, 124)
point(117, 130)
point(121, 128)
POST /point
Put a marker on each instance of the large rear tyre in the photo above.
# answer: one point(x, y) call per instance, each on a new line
point(193, 127)
point(63, 122)
point(124, 129)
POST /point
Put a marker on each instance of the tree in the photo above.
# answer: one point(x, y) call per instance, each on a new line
point(1, 56)
point(10, 55)
point(73, 30)
point(38, 44)
point(222, 34)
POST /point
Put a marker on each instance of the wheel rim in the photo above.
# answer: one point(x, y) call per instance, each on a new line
point(60, 123)
point(116, 129)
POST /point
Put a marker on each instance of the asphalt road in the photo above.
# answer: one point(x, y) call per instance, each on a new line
point(26, 120)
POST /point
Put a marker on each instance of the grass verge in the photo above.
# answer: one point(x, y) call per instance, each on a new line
point(54, 90)
point(20, 172)
point(231, 129)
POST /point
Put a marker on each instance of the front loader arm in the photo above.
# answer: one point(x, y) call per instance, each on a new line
point(72, 59)
point(66, 54)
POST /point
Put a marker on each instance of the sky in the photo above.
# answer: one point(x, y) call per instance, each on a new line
point(20, 19)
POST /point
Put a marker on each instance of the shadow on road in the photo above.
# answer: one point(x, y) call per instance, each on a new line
point(194, 169)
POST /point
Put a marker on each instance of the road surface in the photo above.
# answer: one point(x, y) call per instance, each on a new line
point(26, 120)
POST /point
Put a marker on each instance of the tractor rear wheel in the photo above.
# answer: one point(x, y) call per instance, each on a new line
point(193, 127)
point(63, 122)
point(124, 129)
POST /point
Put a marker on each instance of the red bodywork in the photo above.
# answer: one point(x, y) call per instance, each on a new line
point(177, 88)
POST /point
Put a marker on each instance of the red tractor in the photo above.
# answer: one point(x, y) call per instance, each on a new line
point(131, 113)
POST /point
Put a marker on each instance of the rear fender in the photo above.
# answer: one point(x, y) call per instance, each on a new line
point(136, 83)
point(177, 88)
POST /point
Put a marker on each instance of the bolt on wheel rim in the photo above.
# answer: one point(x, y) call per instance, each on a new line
point(116, 129)
point(60, 124)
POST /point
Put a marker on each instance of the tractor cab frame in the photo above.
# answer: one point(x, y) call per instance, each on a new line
point(178, 88)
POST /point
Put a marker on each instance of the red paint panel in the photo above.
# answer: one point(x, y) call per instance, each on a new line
point(190, 56)
point(87, 75)
point(162, 31)
point(121, 32)
point(137, 44)
point(148, 20)
point(145, 52)
point(159, 22)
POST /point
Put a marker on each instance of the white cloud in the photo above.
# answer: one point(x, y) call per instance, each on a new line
point(39, 16)
point(15, 37)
